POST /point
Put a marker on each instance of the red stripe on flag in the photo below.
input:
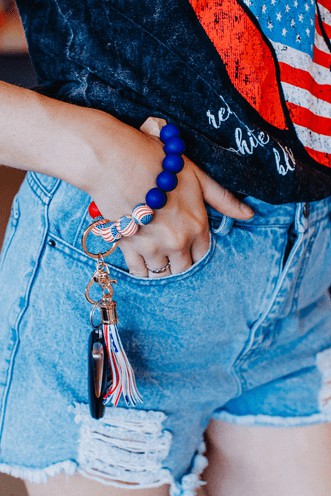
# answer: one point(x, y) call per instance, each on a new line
point(324, 3)
point(302, 79)
point(326, 27)
point(320, 157)
point(246, 55)
point(306, 118)
point(322, 58)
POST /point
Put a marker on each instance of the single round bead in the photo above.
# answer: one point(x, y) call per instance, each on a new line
point(167, 180)
point(93, 210)
point(169, 131)
point(142, 214)
point(173, 163)
point(111, 233)
point(126, 226)
point(156, 198)
point(174, 145)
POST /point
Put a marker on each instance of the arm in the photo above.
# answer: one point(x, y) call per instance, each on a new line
point(46, 135)
point(116, 165)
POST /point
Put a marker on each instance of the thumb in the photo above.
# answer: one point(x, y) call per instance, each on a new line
point(222, 199)
point(213, 193)
point(153, 125)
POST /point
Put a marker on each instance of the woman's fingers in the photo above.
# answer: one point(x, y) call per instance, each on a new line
point(222, 199)
point(180, 261)
point(200, 247)
point(135, 262)
point(154, 265)
point(148, 265)
point(181, 236)
point(214, 194)
point(158, 267)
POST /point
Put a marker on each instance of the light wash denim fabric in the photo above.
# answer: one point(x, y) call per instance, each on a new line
point(244, 336)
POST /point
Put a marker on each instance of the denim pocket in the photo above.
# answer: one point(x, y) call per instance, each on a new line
point(219, 225)
point(118, 264)
point(71, 239)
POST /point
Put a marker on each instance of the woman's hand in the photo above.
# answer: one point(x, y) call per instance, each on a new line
point(116, 165)
point(179, 233)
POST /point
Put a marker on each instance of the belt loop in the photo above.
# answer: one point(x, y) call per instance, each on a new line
point(225, 226)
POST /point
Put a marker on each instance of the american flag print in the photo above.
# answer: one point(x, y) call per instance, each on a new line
point(277, 55)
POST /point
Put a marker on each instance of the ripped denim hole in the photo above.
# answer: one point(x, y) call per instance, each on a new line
point(125, 447)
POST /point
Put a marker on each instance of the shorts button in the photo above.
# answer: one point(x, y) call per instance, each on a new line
point(306, 210)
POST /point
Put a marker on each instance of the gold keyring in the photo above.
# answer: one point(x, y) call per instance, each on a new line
point(87, 232)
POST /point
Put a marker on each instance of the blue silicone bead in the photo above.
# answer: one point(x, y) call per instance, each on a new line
point(169, 131)
point(156, 198)
point(173, 163)
point(167, 180)
point(174, 145)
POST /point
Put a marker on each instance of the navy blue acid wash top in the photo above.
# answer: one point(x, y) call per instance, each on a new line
point(247, 83)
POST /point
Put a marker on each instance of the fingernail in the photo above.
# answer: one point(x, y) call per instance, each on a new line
point(247, 210)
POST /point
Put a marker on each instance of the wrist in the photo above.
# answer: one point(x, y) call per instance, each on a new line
point(121, 165)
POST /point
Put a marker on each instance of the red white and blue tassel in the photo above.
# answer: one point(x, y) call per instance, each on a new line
point(111, 375)
point(123, 381)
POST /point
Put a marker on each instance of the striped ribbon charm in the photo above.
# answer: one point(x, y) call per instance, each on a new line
point(123, 382)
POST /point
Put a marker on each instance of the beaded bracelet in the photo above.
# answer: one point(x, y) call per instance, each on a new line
point(156, 198)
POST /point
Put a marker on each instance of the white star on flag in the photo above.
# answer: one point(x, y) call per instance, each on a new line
point(304, 61)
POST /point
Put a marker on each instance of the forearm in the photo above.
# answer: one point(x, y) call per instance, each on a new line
point(50, 136)
point(116, 165)
point(90, 149)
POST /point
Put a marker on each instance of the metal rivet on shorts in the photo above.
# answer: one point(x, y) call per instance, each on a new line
point(51, 242)
point(306, 210)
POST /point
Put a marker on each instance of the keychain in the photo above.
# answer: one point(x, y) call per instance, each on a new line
point(110, 374)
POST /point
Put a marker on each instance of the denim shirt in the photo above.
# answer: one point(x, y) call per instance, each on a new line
point(153, 57)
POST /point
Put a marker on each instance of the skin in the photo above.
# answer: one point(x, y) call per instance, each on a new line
point(94, 145)
point(250, 461)
point(268, 461)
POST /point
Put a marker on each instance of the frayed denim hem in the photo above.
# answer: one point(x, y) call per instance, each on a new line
point(39, 475)
point(323, 364)
point(187, 487)
point(124, 449)
point(272, 421)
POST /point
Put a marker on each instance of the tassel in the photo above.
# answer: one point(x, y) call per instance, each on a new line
point(111, 375)
point(123, 381)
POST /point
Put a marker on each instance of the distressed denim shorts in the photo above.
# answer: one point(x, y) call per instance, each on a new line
point(243, 336)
